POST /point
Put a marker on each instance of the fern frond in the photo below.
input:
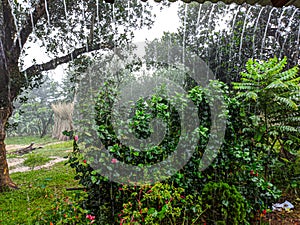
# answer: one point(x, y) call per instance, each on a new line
point(248, 75)
point(276, 84)
point(285, 120)
point(286, 101)
point(260, 65)
point(287, 129)
point(246, 86)
point(274, 67)
point(251, 95)
point(294, 84)
point(289, 74)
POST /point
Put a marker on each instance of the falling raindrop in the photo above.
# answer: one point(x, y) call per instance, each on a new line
point(199, 14)
point(232, 30)
point(65, 8)
point(209, 17)
point(298, 46)
point(16, 25)
point(208, 30)
point(32, 22)
point(287, 29)
point(18, 32)
point(184, 34)
point(242, 35)
point(169, 46)
point(265, 33)
point(113, 17)
point(279, 22)
point(128, 22)
point(97, 10)
point(255, 28)
point(84, 25)
point(47, 12)
point(128, 12)
point(219, 53)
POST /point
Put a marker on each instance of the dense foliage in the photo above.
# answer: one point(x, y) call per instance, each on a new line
point(240, 181)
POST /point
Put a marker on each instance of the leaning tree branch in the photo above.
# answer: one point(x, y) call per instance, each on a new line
point(38, 12)
point(52, 64)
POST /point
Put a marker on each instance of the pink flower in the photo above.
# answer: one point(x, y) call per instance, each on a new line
point(114, 161)
point(90, 217)
point(76, 138)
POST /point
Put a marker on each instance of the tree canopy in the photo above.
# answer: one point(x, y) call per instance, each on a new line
point(67, 29)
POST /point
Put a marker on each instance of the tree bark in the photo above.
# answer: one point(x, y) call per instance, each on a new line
point(6, 107)
point(5, 180)
point(45, 126)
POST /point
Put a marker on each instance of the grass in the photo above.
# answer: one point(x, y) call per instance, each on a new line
point(57, 149)
point(51, 147)
point(26, 140)
point(39, 189)
point(34, 160)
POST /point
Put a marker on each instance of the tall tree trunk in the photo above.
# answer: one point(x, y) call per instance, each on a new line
point(6, 107)
point(5, 181)
point(45, 126)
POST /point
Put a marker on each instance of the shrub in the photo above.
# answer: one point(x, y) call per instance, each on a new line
point(160, 204)
point(226, 204)
point(68, 211)
point(251, 147)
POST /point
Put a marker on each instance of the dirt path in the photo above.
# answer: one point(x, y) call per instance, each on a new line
point(10, 148)
point(17, 164)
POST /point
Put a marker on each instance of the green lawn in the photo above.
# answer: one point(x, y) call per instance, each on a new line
point(40, 189)
point(50, 148)
point(26, 140)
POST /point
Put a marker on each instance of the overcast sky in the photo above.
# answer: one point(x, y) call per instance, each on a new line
point(166, 20)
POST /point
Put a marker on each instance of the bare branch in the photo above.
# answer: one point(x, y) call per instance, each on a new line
point(52, 64)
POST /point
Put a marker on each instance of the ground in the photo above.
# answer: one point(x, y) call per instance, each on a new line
point(16, 163)
point(62, 177)
point(285, 217)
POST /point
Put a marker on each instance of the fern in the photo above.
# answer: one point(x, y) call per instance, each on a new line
point(273, 92)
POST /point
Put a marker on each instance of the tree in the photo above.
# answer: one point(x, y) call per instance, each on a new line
point(66, 29)
point(33, 114)
point(271, 101)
